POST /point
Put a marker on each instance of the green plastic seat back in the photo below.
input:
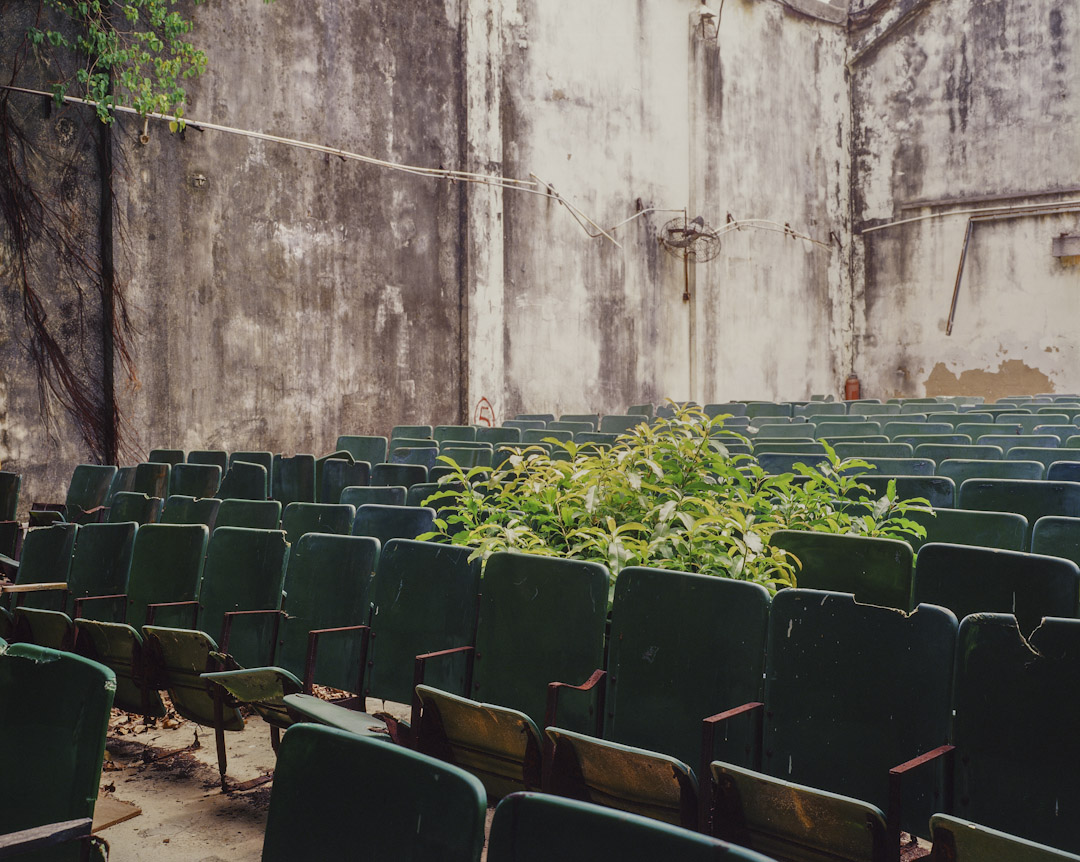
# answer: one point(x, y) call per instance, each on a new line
point(418, 495)
point(1031, 498)
point(54, 714)
point(326, 586)
point(598, 438)
point(398, 474)
point(797, 431)
point(732, 408)
point(874, 450)
point(343, 457)
point(1057, 536)
point(1015, 741)
point(939, 491)
point(1044, 455)
point(534, 827)
point(1004, 530)
point(940, 452)
point(468, 458)
point(244, 481)
point(962, 469)
point(840, 677)
point(120, 648)
point(592, 418)
point(541, 620)
point(293, 479)
point(846, 429)
point(543, 417)
point(776, 463)
point(425, 457)
point(210, 456)
point(413, 443)
point(970, 580)
point(1011, 441)
point(387, 495)
point(963, 841)
point(895, 430)
point(195, 480)
point(453, 432)
point(166, 566)
point(152, 479)
point(572, 427)
point(1072, 442)
point(338, 474)
point(1062, 432)
point(46, 558)
point(363, 448)
point(264, 459)
point(933, 439)
point(899, 466)
point(822, 408)
point(619, 423)
point(397, 803)
point(540, 435)
point(974, 430)
point(755, 409)
point(424, 599)
point(392, 522)
point(682, 647)
point(1028, 424)
point(172, 457)
point(301, 518)
point(9, 495)
point(526, 424)
point(418, 431)
point(860, 409)
point(101, 562)
point(255, 514)
point(877, 571)
point(787, 447)
point(245, 571)
point(187, 510)
point(134, 506)
point(179, 657)
point(498, 435)
point(88, 489)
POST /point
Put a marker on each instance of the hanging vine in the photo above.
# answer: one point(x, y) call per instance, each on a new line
point(131, 53)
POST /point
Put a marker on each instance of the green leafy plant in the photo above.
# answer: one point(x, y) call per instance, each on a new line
point(669, 494)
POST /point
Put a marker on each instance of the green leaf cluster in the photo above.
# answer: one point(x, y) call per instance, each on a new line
point(668, 494)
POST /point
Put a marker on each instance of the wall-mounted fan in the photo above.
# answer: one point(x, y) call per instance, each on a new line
point(692, 241)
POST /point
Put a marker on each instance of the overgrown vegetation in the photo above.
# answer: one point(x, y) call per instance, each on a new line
point(669, 495)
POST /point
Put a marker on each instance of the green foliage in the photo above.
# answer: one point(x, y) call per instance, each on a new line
point(132, 53)
point(667, 495)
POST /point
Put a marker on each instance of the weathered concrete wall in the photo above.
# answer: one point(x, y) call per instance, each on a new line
point(769, 114)
point(960, 108)
point(282, 296)
point(38, 438)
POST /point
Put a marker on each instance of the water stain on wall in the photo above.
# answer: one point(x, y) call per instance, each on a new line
point(1013, 377)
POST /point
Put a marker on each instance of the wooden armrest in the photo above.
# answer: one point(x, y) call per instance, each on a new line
point(313, 650)
point(708, 742)
point(151, 610)
point(418, 676)
point(226, 627)
point(16, 843)
point(896, 775)
point(33, 588)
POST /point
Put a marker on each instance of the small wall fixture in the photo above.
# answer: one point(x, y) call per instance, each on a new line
point(1066, 245)
point(708, 22)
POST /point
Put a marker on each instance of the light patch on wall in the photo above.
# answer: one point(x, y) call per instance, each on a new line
point(1013, 377)
point(391, 307)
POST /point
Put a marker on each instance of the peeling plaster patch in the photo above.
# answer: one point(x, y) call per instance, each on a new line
point(1013, 377)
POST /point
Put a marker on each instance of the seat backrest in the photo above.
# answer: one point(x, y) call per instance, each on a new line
point(970, 580)
point(725, 408)
point(398, 474)
point(592, 418)
point(536, 827)
point(9, 495)
point(1057, 536)
point(195, 480)
point(1031, 498)
point(1045, 455)
point(256, 514)
point(949, 451)
point(426, 457)
point(301, 518)
point(424, 599)
point(904, 429)
point(1011, 441)
point(187, 510)
point(392, 522)
point(152, 479)
point(469, 458)
point(454, 432)
point(619, 423)
point(682, 647)
point(244, 481)
point(800, 430)
point(54, 712)
point(938, 491)
point(264, 459)
point(172, 457)
point(134, 506)
point(754, 409)
point(166, 566)
point(101, 562)
point(358, 495)
point(46, 555)
point(846, 429)
point(210, 456)
point(1015, 742)
point(397, 803)
point(293, 480)
point(339, 474)
point(541, 620)
point(88, 488)
point(963, 841)
point(326, 586)
point(1004, 530)
point(839, 676)
point(962, 469)
point(877, 571)
point(899, 466)
point(370, 449)
point(776, 463)
point(496, 436)
point(974, 430)
point(122, 480)
point(916, 440)
point(875, 450)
